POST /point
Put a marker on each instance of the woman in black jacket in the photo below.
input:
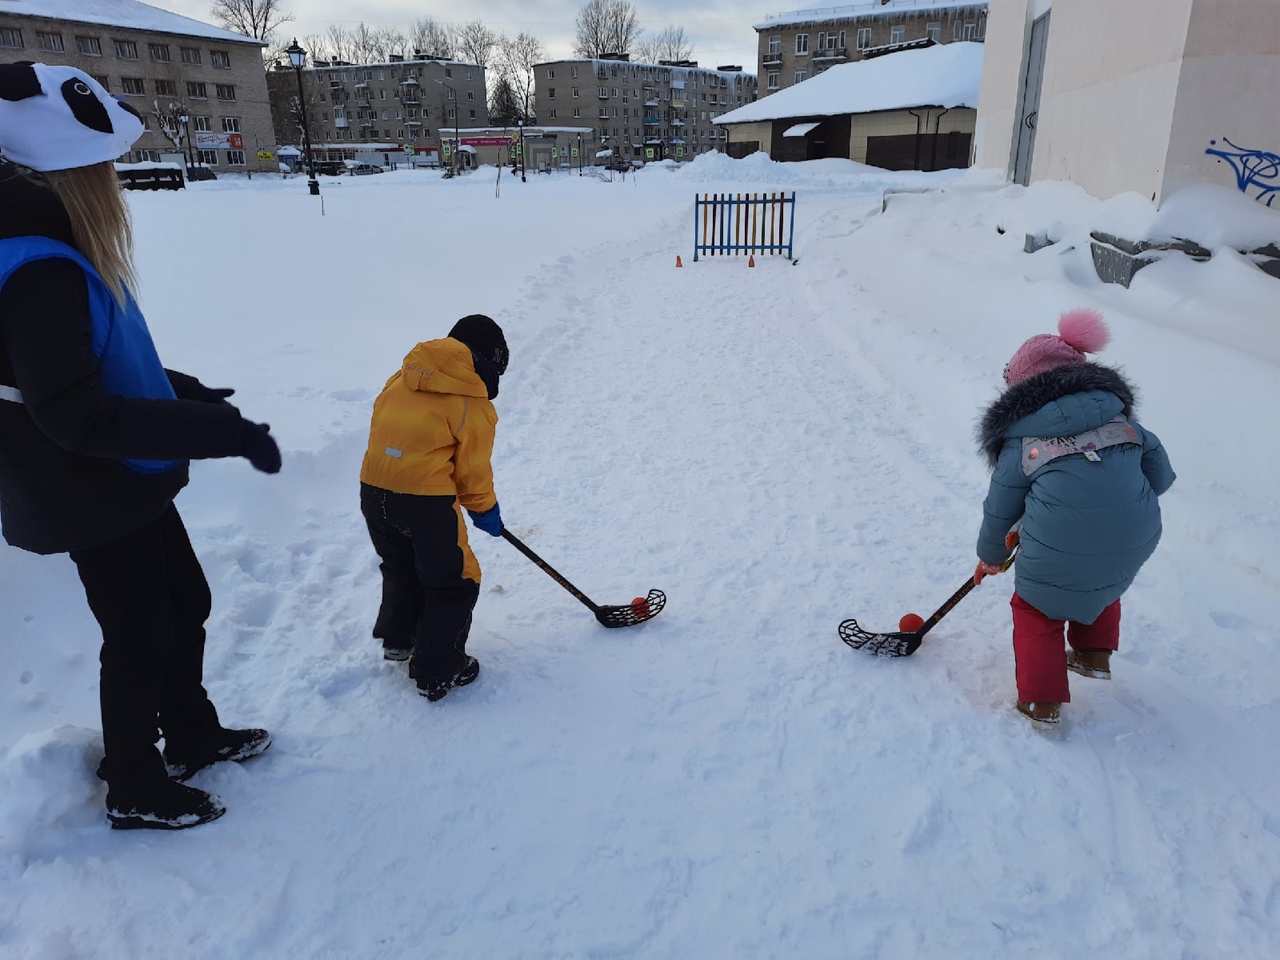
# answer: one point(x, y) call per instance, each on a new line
point(95, 436)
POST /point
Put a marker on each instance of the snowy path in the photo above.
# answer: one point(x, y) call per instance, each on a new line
point(777, 448)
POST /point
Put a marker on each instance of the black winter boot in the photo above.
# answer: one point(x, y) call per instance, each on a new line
point(160, 804)
point(186, 758)
point(435, 689)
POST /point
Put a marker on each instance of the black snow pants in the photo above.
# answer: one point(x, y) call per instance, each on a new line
point(426, 600)
point(151, 600)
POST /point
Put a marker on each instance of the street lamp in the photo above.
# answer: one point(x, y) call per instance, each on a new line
point(457, 105)
point(520, 148)
point(298, 57)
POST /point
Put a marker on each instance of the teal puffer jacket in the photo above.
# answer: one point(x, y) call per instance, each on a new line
point(1090, 517)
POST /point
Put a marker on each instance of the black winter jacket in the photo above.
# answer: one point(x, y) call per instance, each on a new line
point(62, 486)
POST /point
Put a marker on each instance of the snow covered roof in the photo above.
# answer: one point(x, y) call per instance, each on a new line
point(945, 75)
point(800, 129)
point(123, 13)
point(867, 8)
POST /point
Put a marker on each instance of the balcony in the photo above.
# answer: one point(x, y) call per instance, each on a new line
point(413, 122)
point(771, 60)
point(830, 55)
point(366, 123)
point(340, 122)
point(411, 100)
point(409, 82)
point(676, 123)
point(363, 102)
point(652, 122)
point(362, 84)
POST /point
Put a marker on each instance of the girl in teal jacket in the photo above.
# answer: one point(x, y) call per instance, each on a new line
point(1082, 478)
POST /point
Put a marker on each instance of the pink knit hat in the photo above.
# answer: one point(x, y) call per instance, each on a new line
point(1079, 332)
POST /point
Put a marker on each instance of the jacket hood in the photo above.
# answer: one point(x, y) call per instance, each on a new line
point(443, 366)
point(1061, 402)
point(28, 208)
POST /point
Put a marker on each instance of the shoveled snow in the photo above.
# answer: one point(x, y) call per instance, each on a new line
point(778, 448)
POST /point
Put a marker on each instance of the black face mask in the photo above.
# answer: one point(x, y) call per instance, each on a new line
point(489, 372)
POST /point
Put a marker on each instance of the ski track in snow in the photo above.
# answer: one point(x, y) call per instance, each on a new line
point(726, 780)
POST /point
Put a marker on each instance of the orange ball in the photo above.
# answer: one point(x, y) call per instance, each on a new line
point(640, 607)
point(910, 623)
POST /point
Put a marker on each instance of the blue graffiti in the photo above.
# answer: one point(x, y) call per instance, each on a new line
point(1253, 168)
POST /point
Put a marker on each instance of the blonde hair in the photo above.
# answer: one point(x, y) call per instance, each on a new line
point(94, 200)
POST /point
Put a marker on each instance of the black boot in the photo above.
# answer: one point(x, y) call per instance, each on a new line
point(435, 689)
point(160, 804)
point(185, 758)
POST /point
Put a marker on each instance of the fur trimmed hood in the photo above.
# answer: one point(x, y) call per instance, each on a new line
point(1025, 398)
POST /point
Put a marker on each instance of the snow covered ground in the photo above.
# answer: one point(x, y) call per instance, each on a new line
point(777, 448)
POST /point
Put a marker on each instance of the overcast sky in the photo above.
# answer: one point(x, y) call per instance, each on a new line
point(720, 30)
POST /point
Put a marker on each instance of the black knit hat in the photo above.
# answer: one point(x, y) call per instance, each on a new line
point(484, 336)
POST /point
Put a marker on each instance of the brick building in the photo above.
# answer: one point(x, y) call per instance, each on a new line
point(801, 44)
point(641, 111)
point(164, 65)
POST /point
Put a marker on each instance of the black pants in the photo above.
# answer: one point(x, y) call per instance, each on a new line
point(426, 600)
point(151, 599)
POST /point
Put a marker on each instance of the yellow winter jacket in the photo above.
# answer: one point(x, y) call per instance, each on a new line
point(433, 428)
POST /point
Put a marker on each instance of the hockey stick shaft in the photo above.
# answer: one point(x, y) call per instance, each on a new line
point(549, 570)
point(950, 603)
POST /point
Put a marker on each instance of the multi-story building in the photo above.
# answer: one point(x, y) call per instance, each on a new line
point(642, 111)
point(420, 101)
point(165, 66)
point(801, 44)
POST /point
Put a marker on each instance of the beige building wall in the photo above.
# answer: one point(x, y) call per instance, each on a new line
point(898, 123)
point(1008, 36)
point(787, 48)
point(761, 133)
point(163, 82)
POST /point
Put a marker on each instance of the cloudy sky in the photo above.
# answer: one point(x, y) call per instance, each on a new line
point(720, 30)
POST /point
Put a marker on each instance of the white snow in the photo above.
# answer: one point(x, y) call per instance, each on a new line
point(778, 448)
point(944, 75)
point(123, 13)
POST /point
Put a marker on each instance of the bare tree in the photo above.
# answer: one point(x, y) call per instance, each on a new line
point(606, 26)
point(364, 43)
point(516, 60)
point(669, 43)
point(259, 19)
point(169, 120)
point(476, 43)
point(432, 38)
point(338, 40)
point(391, 41)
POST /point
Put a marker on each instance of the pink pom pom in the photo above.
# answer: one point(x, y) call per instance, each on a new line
point(1084, 329)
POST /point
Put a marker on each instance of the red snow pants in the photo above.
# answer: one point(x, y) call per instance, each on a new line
point(1041, 658)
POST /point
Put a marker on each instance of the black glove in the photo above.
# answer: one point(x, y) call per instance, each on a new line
point(257, 446)
point(188, 387)
point(213, 394)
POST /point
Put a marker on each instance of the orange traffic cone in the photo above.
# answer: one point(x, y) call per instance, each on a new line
point(751, 260)
point(678, 263)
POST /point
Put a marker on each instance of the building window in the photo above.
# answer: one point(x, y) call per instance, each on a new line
point(207, 157)
point(230, 124)
point(551, 113)
point(11, 37)
point(159, 51)
point(898, 33)
point(126, 50)
point(933, 31)
point(551, 93)
point(577, 112)
point(49, 41)
point(551, 74)
point(773, 79)
point(89, 46)
point(864, 37)
point(225, 91)
point(573, 73)
point(971, 29)
point(105, 82)
point(775, 46)
point(204, 124)
point(800, 75)
point(448, 72)
point(166, 88)
point(469, 73)
point(220, 59)
point(190, 55)
point(471, 94)
point(133, 86)
point(197, 91)
point(235, 158)
point(575, 92)
point(802, 43)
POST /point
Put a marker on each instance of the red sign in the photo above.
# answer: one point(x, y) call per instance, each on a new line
point(237, 141)
point(487, 141)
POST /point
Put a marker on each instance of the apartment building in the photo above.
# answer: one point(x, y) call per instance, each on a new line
point(803, 43)
point(642, 111)
point(419, 101)
point(165, 66)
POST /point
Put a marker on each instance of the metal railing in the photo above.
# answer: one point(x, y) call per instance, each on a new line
point(725, 223)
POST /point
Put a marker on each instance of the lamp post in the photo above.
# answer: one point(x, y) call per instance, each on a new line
point(457, 136)
point(184, 118)
point(298, 57)
point(520, 148)
point(579, 153)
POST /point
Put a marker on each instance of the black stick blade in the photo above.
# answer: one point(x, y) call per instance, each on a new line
point(637, 611)
point(902, 644)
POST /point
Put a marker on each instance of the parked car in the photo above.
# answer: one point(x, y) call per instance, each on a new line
point(362, 169)
point(200, 172)
point(330, 168)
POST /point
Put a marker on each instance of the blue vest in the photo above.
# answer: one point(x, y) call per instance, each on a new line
point(121, 341)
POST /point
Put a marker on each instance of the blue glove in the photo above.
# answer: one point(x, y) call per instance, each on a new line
point(490, 521)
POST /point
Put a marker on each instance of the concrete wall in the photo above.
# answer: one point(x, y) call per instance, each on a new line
point(1229, 90)
point(895, 123)
point(746, 132)
point(1008, 33)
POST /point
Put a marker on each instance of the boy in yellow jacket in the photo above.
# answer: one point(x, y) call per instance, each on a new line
point(428, 459)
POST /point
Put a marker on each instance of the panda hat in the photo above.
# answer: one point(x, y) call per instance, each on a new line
point(58, 118)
